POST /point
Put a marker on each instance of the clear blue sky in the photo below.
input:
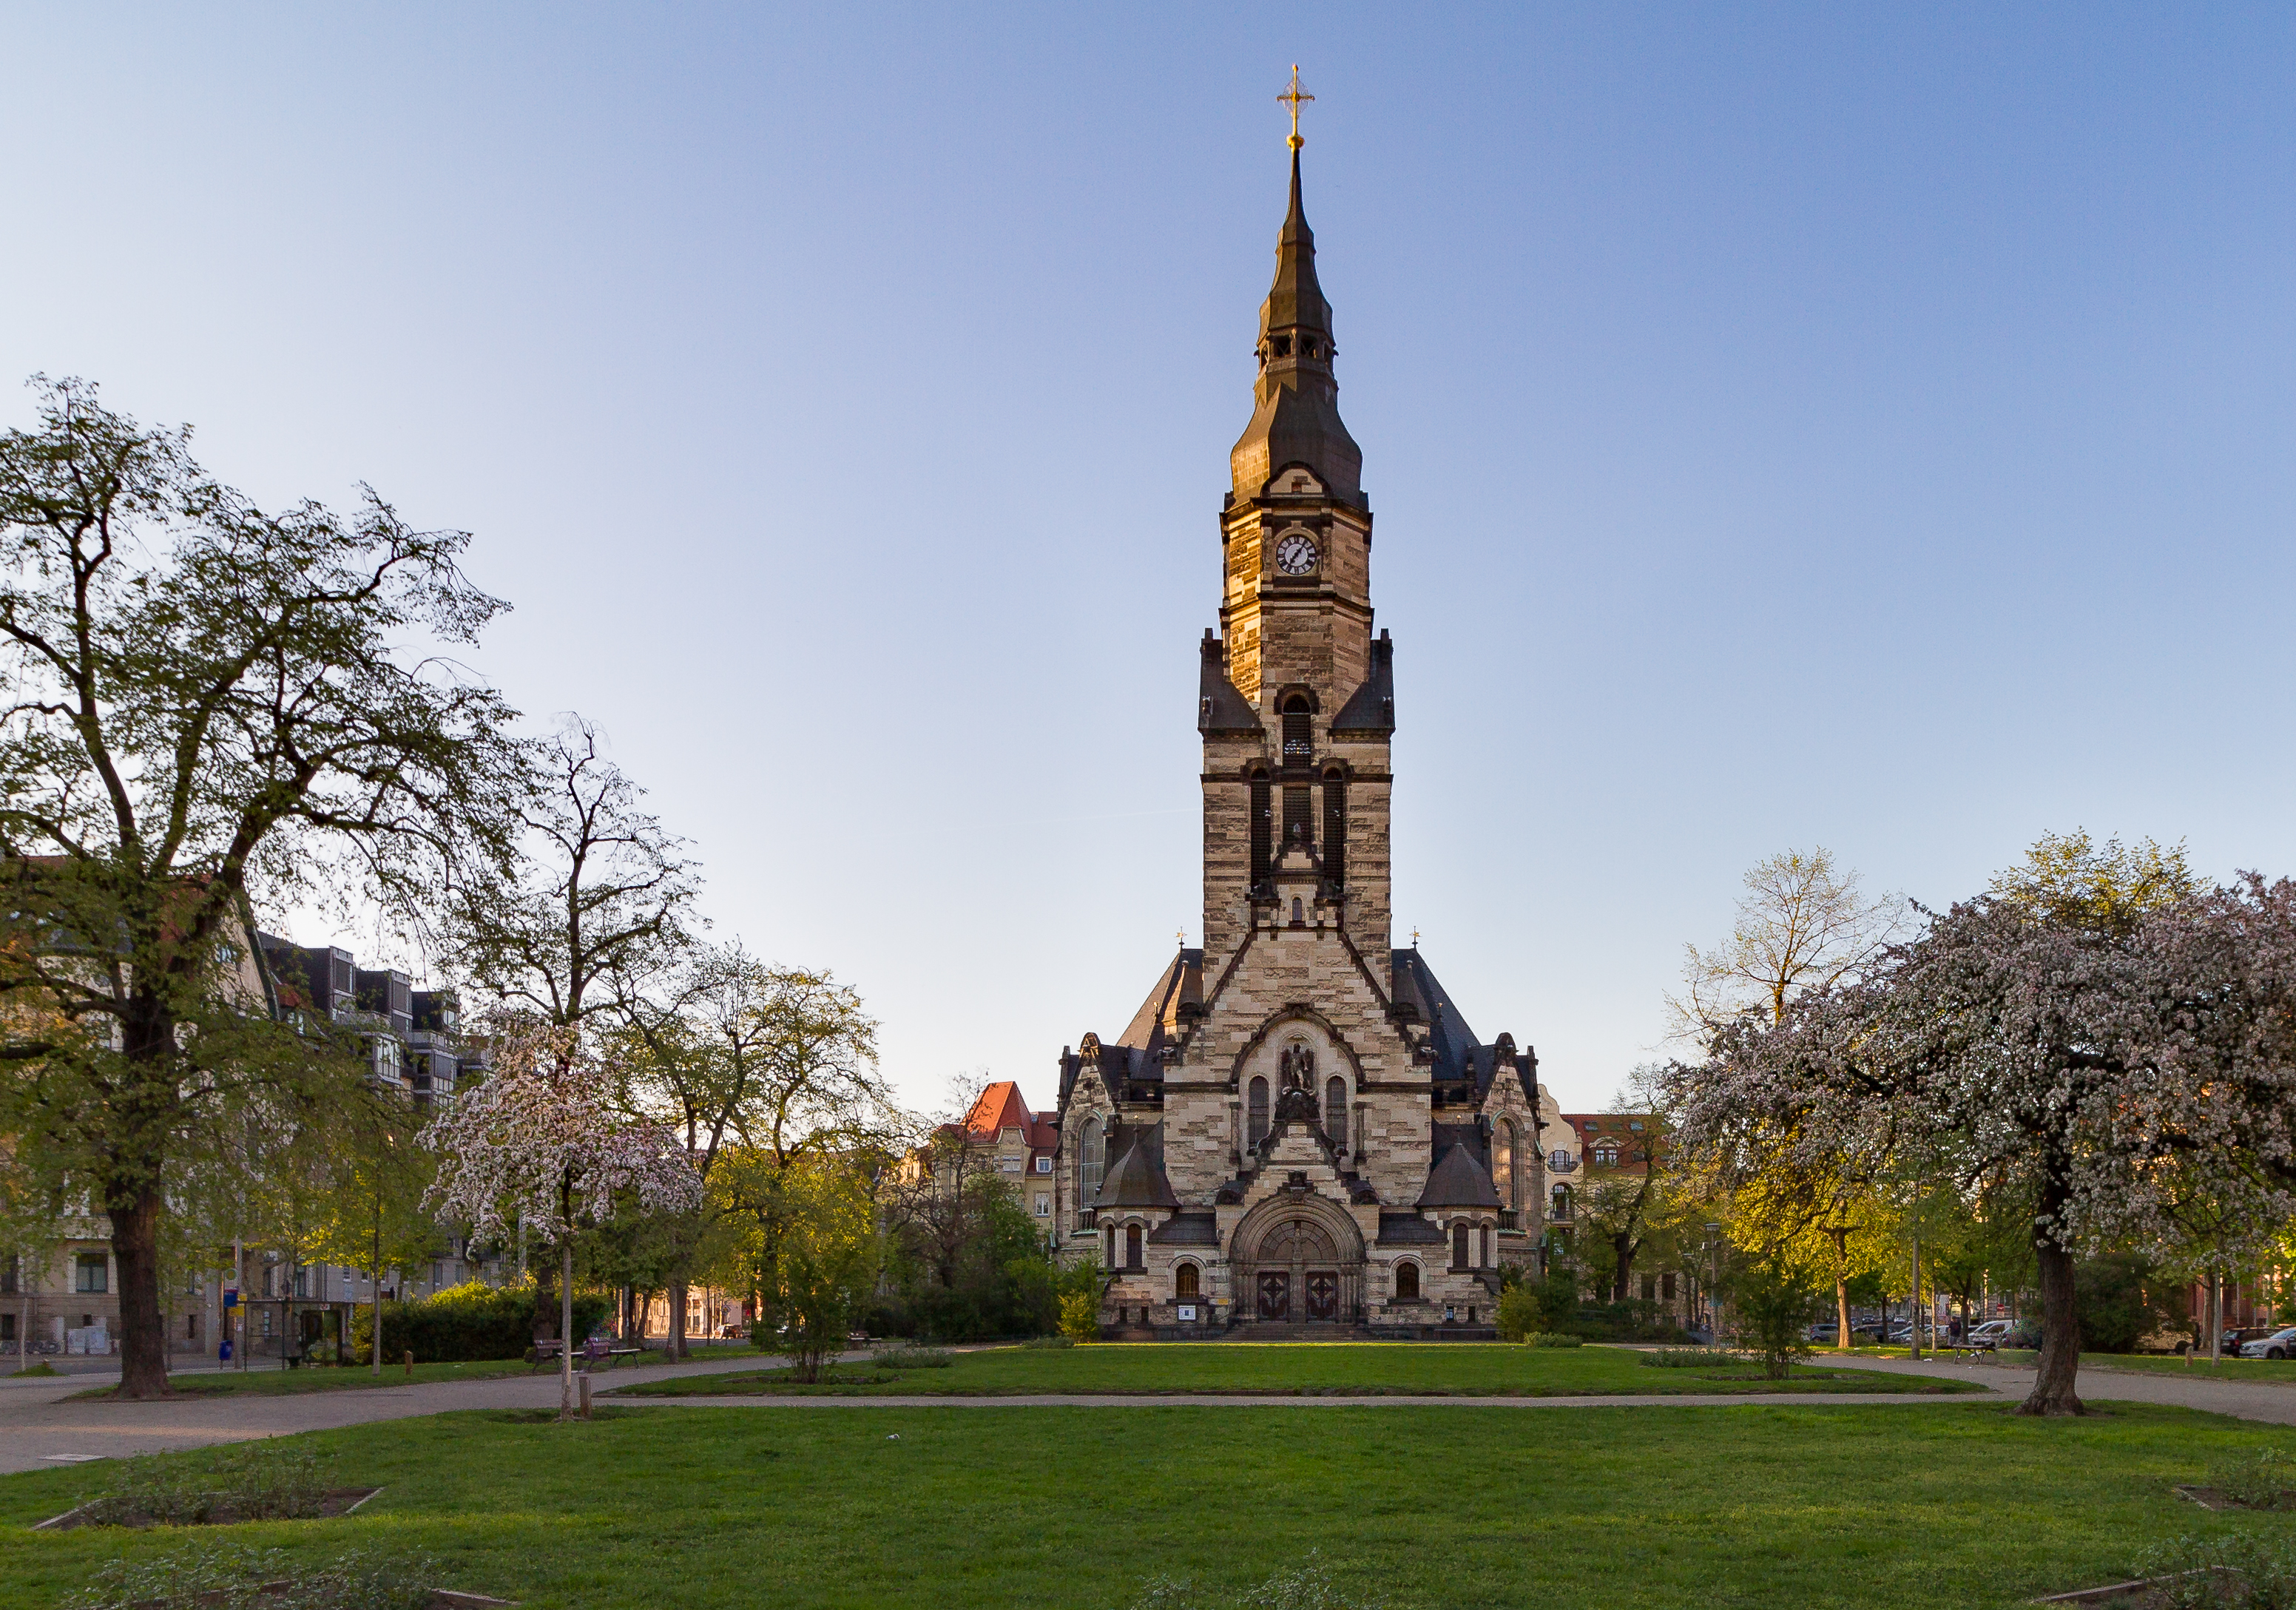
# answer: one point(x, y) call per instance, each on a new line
point(1786, 425)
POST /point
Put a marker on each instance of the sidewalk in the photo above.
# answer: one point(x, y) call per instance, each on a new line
point(39, 1430)
point(2266, 1400)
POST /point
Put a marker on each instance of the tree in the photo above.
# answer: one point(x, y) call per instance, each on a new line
point(1802, 924)
point(782, 1059)
point(823, 1262)
point(2092, 1038)
point(594, 911)
point(205, 704)
point(1771, 1300)
point(540, 1144)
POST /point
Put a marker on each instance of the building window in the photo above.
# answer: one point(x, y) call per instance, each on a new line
point(1562, 1202)
point(1406, 1282)
point(1110, 1261)
point(1043, 1165)
point(90, 1273)
point(1559, 1160)
point(191, 1327)
point(1088, 1155)
point(1186, 1284)
point(11, 1272)
point(1459, 1244)
point(1263, 831)
point(1256, 1112)
point(1486, 1263)
point(1649, 1289)
point(7, 1326)
point(1132, 1246)
point(1666, 1286)
point(1044, 1205)
point(1335, 828)
point(1510, 1161)
point(1606, 1156)
point(1335, 1111)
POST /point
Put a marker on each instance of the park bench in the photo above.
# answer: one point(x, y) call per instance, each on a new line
point(544, 1353)
point(598, 1353)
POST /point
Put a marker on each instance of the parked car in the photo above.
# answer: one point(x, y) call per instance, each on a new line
point(2280, 1344)
point(1989, 1334)
point(1827, 1332)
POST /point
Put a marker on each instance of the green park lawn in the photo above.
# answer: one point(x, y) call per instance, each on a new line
point(1336, 1369)
point(1814, 1506)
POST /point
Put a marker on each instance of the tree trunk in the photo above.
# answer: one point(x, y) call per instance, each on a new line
point(2059, 1360)
point(1622, 1250)
point(676, 1350)
point(134, 1214)
point(1842, 1312)
point(546, 1301)
point(566, 1329)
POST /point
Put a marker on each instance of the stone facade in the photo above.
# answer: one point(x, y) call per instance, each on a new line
point(1298, 1129)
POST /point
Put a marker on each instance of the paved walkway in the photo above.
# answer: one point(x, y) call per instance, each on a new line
point(38, 1429)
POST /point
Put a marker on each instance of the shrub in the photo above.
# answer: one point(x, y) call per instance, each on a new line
point(1556, 1300)
point(259, 1482)
point(1080, 1316)
point(1519, 1315)
point(232, 1577)
point(916, 1358)
point(2117, 1302)
point(1773, 1305)
point(1691, 1357)
point(467, 1322)
point(1042, 1342)
point(2237, 1572)
point(1554, 1338)
point(2260, 1479)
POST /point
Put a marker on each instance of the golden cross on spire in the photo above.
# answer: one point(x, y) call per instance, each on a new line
point(1295, 96)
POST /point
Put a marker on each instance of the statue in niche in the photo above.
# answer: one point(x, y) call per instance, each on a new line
point(1296, 1080)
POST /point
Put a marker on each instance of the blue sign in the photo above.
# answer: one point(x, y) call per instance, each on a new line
point(231, 1299)
point(223, 1354)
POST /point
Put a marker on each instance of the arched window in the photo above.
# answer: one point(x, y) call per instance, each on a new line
point(1089, 1163)
point(1256, 1112)
point(1109, 1234)
point(1335, 827)
point(1562, 1202)
point(1299, 734)
point(1335, 1111)
point(1458, 1243)
point(1296, 830)
point(1406, 1282)
point(1486, 1263)
point(1132, 1246)
point(1606, 1156)
point(1185, 1284)
point(1299, 912)
point(1263, 830)
point(1502, 1161)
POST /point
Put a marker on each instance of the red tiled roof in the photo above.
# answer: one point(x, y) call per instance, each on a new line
point(999, 1108)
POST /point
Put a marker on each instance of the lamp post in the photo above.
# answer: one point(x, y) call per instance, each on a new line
point(1714, 1289)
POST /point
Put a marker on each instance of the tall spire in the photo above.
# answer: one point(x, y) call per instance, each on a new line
point(1296, 417)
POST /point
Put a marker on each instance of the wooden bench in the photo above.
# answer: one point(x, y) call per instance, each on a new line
point(544, 1353)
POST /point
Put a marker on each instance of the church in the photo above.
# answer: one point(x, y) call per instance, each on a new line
point(1298, 1134)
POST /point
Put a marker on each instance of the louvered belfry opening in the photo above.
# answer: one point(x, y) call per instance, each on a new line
point(1296, 811)
point(1263, 831)
point(1299, 731)
point(1335, 827)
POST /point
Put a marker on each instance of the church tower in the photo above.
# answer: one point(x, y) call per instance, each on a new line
point(1297, 1128)
point(1298, 698)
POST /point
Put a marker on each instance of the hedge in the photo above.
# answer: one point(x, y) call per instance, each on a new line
point(468, 1322)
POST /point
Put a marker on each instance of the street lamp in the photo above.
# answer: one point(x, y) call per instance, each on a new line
point(1714, 1290)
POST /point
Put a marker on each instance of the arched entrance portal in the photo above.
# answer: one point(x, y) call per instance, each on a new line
point(1300, 1263)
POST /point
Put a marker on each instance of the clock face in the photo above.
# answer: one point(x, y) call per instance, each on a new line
point(1295, 555)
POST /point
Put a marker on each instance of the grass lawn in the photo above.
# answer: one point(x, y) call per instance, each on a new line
point(1338, 1368)
point(273, 1381)
point(945, 1508)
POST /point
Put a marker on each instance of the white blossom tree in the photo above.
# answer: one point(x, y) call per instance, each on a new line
point(541, 1144)
point(2123, 1061)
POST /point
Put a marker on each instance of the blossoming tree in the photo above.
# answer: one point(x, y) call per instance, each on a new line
point(540, 1144)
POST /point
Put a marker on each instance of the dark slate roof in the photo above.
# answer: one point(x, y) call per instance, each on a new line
point(1220, 707)
point(1137, 1056)
point(1138, 1180)
point(1460, 1058)
point(1458, 1181)
point(1371, 709)
point(1408, 1229)
point(1186, 1230)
